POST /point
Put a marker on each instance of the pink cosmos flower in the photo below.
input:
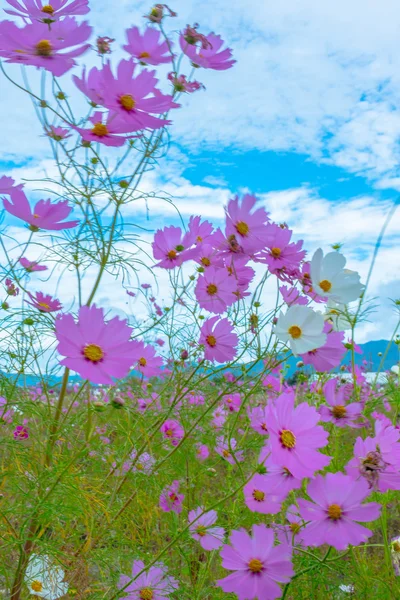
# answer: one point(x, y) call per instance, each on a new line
point(6, 414)
point(330, 355)
point(378, 459)
point(202, 452)
point(172, 431)
point(242, 275)
point(215, 291)
point(338, 411)
point(168, 247)
point(45, 215)
point(233, 402)
point(40, 10)
point(278, 476)
point(157, 13)
point(247, 227)
point(107, 133)
point(31, 266)
point(96, 350)
point(295, 437)
point(258, 419)
point(281, 255)
point(292, 296)
point(181, 84)
point(170, 500)
point(227, 451)
point(7, 185)
point(57, 133)
point(262, 497)
point(145, 360)
point(44, 302)
point(219, 417)
point(210, 538)
point(21, 433)
point(153, 584)
point(148, 48)
point(219, 340)
point(103, 45)
point(160, 342)
point(209, 57)
point(290, 534)
point(11, 288)
point(43, 47)
point(335, 508)
point(259, 565)
point(199, 232)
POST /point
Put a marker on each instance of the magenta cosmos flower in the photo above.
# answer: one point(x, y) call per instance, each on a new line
point(202, 452)
point(96, 350)
point(227, 450)
point(280, 254)
point(153, 584)
point(31, 266)
point(181, 84)
point(215, 291)
point(44, 302)
point(43, 47)
point(258, 419)
point(295, 437)
point(57, 133)
point(210, 57)
point(378, 459)
point(202, 530)
point(262, 497)
point(260, 566)
point(277, 476)
point(335, 508)
point(7, 185)
point(219, 340)
point(21, 433)
point(41, 10)
point(329, 356)
point(247, 227)
point(170, 249)
point(172, 431)
point(148, 48)
point(337, 410)
point(107, 130)
point(170, 500)
point(45, 215)
point(145, 360)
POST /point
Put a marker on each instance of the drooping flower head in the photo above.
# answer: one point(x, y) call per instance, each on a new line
point(219, 340)
point(93, 348)
point(153, 584)
point(148, 47)
point(334, 510)
point(259, 565)
point(44, 302)
point(46, 214)
point(45, 48)
point(181, 84)
point(209, 57)
point(202, 530)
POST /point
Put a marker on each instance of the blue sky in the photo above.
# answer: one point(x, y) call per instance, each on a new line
point(307, 119)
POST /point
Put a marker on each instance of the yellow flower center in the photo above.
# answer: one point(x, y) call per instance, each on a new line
point(142, 362)
point(35, 216)
point(48, 9)
point(93, 352)
point(294, 527)
point(144, 55)
point(169, 432)
point(225, 453)
point(172, 254)
point(396, 546)
point(255, 565)
point(242, 228)
point(295, 332)
point(276, 252)
point(212, 289)
point(44, 48)
point(36, 586)
point(44, 305)
point(146, 594)
point(127, 102)
point(100, 130)
point(211, 341)
point(339, 411)
point(201, 530)
point(205, 261)
point(334, 512)
point(288, 439)
point(325, 285)
point(258, 495)
point(139, 467)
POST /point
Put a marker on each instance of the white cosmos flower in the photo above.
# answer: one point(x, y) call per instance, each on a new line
point(44, 579)
point(336, 314)
point(302, 328)
point(331, 280)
